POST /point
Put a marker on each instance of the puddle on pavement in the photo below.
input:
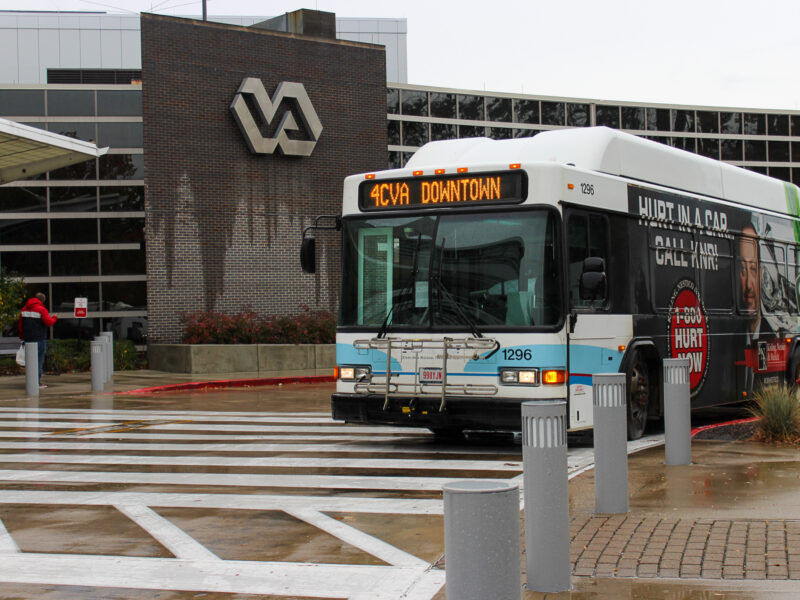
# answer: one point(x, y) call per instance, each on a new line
point(766, 489)
point(420, 535)
point(264, 535)
point(20, 591)
point(77, 530)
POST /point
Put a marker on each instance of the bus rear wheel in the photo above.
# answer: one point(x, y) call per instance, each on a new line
point(639, 387)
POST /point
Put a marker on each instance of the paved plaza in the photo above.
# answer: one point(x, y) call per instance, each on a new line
point(254, 492)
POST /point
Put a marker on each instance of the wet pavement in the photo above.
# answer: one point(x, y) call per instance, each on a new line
point(256, 493)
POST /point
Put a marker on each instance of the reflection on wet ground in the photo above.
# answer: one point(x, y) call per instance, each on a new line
point(257, 493)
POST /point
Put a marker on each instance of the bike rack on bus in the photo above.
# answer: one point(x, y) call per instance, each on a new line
point(447, 346)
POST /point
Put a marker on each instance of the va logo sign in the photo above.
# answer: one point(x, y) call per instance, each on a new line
point(266, 109)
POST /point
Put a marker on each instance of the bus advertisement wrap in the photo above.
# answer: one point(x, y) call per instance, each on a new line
point(720, 275)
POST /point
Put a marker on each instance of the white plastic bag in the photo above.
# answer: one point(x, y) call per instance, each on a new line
point(21, 355)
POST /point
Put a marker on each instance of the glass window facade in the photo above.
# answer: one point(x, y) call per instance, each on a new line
point(82, 233)
point(758, 140)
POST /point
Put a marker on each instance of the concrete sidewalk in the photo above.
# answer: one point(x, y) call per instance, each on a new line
point(725, 527)
point(72, 384)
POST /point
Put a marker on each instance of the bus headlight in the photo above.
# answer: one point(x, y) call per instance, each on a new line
point(355, 372)
point(519, 376)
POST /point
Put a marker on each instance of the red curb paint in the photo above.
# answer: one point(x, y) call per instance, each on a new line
point(228, 383)
point(697, 430)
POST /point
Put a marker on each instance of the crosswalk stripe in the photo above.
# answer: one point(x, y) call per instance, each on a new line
point(53, 444)
point(173, 538)
point(272, 461)
point(357, 582)
point(7, 543)
point(359, 539)
point(75, 425)
point(227, 479)
point(406, 506)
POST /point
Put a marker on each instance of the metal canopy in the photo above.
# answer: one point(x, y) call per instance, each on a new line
point(26, 151)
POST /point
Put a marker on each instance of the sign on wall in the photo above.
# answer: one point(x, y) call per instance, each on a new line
point(267, 109)
point(81, 306)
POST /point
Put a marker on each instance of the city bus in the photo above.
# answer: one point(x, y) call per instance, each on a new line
point(487, 273)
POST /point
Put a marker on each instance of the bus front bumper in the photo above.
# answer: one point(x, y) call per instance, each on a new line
point(496, 414)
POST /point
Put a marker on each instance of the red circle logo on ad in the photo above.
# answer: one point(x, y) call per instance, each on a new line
point(688, 332)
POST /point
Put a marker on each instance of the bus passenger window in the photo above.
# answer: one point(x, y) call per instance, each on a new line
point(587, 235)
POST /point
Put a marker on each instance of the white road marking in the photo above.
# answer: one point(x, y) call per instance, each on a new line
point(71, 425)
point(271, 461)
point(53, 444)
point(7, 543)
point(344, 504)
point(149, 434)
point(357, 582)
point(241, 480)
point(174, 539)
point(359, 539)
point(197, 568)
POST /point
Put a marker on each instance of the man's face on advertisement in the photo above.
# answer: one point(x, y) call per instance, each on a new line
point(749, 271)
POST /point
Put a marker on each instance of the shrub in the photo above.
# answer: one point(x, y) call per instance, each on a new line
point(307, 327)
point(779, 414)
point(64, 356)
point(12, 297)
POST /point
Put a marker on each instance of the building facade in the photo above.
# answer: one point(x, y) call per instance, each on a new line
point(224, 222)
point(180, 215)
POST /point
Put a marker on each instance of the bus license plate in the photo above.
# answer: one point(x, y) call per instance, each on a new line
point(430, 375)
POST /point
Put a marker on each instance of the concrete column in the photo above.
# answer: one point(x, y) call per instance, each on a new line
point(610, 444)
point(98, 364)
point(31, 369)
point(677, 412)
point(481, 540)
point(544, 456)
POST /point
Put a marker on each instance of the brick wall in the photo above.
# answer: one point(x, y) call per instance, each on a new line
point(223, 226)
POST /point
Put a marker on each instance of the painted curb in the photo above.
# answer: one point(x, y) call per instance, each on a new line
point(228, 383)
point(697, 430)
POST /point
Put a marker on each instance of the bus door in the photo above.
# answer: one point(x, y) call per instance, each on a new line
point(591, 332)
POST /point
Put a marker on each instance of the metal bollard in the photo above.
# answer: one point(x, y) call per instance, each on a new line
point(98, 365)
point(31, 368)
point(544, 456)
point(610, 444)
point(109, 358)
point(677, 412)
point(103, 340)
point(481, 540)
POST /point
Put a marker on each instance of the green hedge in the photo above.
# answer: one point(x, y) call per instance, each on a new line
point(64, 356)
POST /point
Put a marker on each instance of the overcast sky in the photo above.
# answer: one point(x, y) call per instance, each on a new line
point(711, 52)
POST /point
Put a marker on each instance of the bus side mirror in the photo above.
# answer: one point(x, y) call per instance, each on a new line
point(593, 279)
point(308, 255)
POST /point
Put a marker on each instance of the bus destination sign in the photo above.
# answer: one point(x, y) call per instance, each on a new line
point(507, 187)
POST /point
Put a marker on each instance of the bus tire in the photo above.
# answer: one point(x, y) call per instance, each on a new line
point(639, 388)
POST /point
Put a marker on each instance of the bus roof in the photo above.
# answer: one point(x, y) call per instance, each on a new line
point(616, 153)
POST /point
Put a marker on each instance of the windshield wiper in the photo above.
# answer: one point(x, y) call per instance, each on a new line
point(437, 279)
point(384, 329)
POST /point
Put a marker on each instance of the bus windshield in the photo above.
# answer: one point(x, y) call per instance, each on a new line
point(453, 270)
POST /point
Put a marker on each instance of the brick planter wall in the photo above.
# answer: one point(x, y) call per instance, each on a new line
point(266, 359)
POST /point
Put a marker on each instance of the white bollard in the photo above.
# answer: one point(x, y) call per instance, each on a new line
point(98, 365)
point(481, 540)
point(109, 357)
point(544, 456)
point(31, 368)
point(610, 444)
point(677, 412)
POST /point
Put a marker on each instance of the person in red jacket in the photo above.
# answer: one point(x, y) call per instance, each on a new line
point(33, 323)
